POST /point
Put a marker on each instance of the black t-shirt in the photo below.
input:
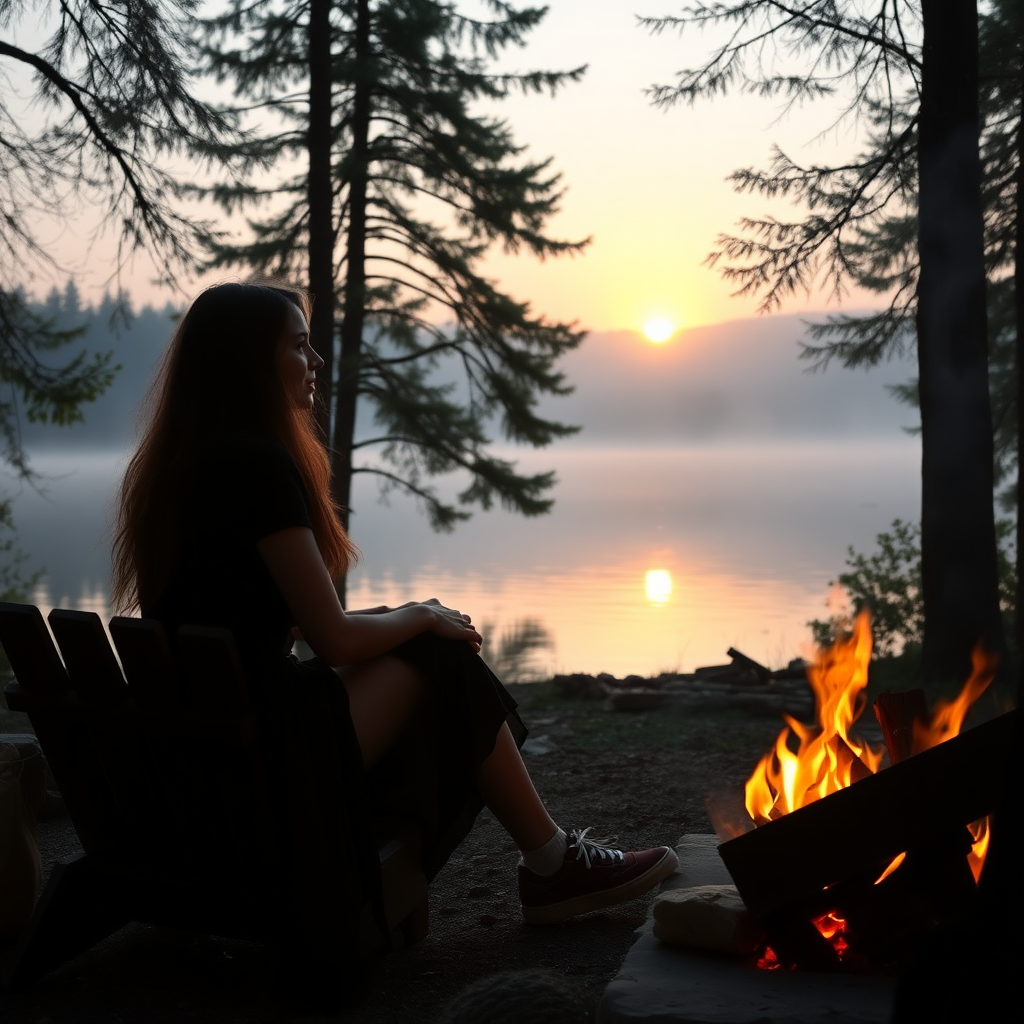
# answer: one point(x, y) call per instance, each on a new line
point(243, 488)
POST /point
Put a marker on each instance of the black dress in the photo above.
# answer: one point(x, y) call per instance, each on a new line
point(246, 488)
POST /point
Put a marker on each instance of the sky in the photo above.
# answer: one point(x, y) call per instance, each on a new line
point(647, 186)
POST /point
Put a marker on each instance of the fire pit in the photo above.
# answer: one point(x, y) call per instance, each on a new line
point(849, 868)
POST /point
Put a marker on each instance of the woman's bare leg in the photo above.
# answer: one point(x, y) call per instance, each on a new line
point(382, 695)
point(508, 791)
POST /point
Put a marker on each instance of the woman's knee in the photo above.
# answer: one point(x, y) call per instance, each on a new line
point(383, 693)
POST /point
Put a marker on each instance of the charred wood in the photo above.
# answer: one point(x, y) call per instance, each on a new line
point(896, 714)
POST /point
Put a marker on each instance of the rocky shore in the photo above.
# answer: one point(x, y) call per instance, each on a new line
point(741, 685)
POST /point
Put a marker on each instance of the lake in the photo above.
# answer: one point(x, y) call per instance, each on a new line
point(654, 558)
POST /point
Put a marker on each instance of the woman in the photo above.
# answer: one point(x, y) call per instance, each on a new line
point(226, 520)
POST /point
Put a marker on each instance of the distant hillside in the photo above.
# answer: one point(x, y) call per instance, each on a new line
point(740, 380)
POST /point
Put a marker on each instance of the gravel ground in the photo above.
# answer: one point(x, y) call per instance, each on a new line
point(640, 779)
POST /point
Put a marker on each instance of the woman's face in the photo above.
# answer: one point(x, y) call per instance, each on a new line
point(296, 361)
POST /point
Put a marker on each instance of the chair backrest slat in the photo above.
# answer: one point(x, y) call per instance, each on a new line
point(57, 718)
point(190, 817)
point(112, 722)
point(29, 649)
point(146, 658)
point(216, 681)
point(92, 667)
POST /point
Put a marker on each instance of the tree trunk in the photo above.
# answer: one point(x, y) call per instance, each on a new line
point(1018, 298)
point(347, 390)
point(958, 547)
point(321, 211)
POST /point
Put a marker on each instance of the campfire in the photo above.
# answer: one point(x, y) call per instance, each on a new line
point(856, 852)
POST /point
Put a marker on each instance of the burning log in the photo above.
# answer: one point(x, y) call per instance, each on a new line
point(896, 714)
point(911, 804)
point(849, 761)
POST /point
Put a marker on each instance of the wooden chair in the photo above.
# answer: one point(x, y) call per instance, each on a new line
point(188, 814)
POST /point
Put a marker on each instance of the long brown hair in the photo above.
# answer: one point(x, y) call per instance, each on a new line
point(219, 373)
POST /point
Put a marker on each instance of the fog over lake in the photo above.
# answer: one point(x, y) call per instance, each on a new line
point(714, 461)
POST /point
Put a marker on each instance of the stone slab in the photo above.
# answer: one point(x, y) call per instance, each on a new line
point(699, 864)
point(661, 984)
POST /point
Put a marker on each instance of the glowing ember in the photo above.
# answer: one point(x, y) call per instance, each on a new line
point(827, 755)
point(833, 927)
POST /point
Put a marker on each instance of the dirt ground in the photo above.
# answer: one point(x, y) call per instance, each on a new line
point(640, 779)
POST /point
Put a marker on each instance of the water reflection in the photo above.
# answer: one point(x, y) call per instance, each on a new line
point(743, 543)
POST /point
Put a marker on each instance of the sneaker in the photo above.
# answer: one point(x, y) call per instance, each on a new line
point(593, 876)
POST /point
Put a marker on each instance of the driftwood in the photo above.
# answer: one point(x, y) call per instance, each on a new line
point(905, 807)
point(740, 660)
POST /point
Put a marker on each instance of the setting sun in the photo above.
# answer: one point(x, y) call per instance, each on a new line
point(658, 585)
point(658, 329)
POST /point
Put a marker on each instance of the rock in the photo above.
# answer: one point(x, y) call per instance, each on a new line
point(579, 685)
point(706, 917)
point(638, 700)
point(537, 746)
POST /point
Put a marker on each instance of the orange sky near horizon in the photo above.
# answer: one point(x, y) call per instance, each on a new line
point(648, 186)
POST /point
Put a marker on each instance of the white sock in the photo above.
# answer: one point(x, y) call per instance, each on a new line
point(547, 859)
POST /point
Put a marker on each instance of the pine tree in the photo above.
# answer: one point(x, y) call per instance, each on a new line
point(390, 188)
point(102, 99)
point(872, 221)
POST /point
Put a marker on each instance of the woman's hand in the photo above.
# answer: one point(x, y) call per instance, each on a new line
point(382, 609)
point(453, 624)
point(448, 622)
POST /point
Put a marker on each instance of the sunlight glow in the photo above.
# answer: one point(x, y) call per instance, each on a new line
point(658, 329)
point(658, 585)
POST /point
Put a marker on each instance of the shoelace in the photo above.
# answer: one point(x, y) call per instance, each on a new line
point(587, 848)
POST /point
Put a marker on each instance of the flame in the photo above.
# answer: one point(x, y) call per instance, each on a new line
point(948, 715)
point(982, 833)
point(896, 862)
point(827, 757)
